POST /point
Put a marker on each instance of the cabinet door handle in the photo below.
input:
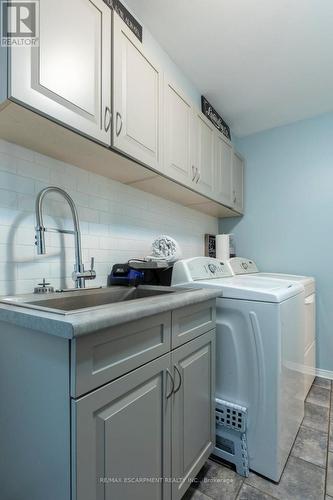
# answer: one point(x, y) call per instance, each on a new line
point(180, 380)
point(235, 198)
point(199, 176)
point(107, 119)
point(172, 384)
point(118, 117)
point(194, 172)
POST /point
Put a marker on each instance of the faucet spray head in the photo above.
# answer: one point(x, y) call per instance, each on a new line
point(40, 240)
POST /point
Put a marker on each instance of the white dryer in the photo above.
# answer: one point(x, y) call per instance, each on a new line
point(243, 266)
point(258, 344)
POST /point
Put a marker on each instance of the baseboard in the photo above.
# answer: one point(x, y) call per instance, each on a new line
point(324, 373)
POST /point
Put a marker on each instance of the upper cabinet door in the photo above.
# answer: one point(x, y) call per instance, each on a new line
point(137, 99)
point(178, 129)
point(68, 77)
point(223, 170)
point(238, 182)
point(205, 158)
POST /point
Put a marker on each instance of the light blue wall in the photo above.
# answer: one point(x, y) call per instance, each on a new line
point(288, 221)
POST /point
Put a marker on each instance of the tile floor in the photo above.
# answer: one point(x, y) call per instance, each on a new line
point(308, 474)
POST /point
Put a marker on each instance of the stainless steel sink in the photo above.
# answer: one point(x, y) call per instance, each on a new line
point(76, 301)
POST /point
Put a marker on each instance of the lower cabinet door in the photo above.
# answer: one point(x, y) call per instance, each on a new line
point(121, 437)
point(193, 415)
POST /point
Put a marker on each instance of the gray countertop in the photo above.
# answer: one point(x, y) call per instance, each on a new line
point(95, 319)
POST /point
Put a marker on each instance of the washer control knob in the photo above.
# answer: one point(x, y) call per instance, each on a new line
point(212, 268)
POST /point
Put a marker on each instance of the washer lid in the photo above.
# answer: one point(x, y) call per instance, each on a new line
point(244, 266)
point(253, 288)
point(308, 282)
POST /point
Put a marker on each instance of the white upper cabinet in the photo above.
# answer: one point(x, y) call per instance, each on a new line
point(92, 75)
point(238, 182)
point(204, 154)
point(68, 77)
point(137, 99)
point(178, 133)
point(223, 170)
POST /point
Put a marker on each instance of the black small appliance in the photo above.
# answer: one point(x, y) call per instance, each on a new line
point(141, 272)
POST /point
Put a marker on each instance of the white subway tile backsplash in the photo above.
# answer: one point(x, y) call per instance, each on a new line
point(33, 170)
point(16, 183)
point(4, 254)
point(16, 235)
point(7, 163)
point(100, 204)
point(62, 176)
point(25, 202)
point(21, 253)
point(98, 229)
point(83, 183)
point(8, 271)
point(100, 255)
point(16, 151)
point(88, 215)
point(32, 270)
point(10, 217)
point(8, 199)
point(81, 199)
point(117, 221)
point(106, 243)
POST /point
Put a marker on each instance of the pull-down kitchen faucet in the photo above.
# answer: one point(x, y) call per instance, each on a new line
point(79, 275)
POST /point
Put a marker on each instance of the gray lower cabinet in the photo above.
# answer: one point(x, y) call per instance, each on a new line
point(124, 413)
point(147, 434)
point(191, 321)
point(193, 413)
point(110, 353)
point(122, 437)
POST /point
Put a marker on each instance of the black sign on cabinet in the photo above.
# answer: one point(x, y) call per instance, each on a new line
point(214, 117)
point(126, 16)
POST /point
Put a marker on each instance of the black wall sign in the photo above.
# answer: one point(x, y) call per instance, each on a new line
point(214, 117)
point(126, 16)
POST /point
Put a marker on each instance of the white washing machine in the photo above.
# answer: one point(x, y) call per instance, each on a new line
point(243, 266)
point(258, 343)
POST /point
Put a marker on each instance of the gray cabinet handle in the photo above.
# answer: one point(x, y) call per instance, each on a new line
point(194, 172)
point(235, 198)
point(118, 117)
point(172, 384)
point(107, 119)
point(180, 380)
point(199, 176)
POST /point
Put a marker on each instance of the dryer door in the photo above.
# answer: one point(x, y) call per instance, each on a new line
point(258, 349)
